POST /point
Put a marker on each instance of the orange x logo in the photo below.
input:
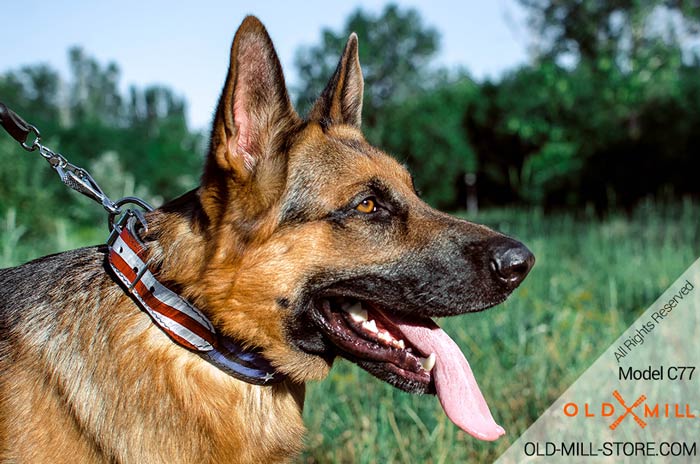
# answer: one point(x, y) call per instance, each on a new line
point(628, 410)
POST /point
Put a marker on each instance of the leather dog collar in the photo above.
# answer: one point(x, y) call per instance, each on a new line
point(181, 321)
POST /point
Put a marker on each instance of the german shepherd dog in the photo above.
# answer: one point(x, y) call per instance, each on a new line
point(303, 243)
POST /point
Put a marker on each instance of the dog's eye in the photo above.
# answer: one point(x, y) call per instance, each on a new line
point(367, 206)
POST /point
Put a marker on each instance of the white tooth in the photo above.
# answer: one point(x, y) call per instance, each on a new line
point(370, 326)
point(401, 344)
point(384, 335)
point(357, 313)
point(428, 363)
point(359, 317)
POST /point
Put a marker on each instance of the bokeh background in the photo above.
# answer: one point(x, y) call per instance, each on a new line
point(573, 125)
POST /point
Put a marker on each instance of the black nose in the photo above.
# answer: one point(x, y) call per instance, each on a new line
point(511, 261)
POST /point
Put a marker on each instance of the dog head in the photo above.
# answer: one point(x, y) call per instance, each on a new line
point(317, 245)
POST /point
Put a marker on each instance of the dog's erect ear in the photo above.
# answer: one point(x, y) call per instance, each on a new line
point(254, 112)
point(341, 101)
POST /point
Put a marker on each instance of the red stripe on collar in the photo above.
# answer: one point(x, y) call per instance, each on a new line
point(181, 321)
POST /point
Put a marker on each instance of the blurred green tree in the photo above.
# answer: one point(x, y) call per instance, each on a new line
point(574, 126)
point(142, 137)
point(426, 131)
point(396, 51)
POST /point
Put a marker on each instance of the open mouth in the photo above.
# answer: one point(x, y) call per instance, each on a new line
point(364, 334)
point(414, 355)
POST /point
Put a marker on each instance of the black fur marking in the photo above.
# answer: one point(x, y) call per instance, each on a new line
point(325, 123)
point(357, 145)
point(295, 213)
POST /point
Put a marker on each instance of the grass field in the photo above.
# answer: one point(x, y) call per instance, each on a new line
point(592, 279)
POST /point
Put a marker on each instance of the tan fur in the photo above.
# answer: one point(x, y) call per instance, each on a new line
point(61, 406)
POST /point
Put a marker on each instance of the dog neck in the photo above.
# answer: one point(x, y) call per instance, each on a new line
point(129, 261)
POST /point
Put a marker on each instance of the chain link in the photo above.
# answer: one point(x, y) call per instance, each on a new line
point(71, 175)
point(75, 177)
point(37, 139)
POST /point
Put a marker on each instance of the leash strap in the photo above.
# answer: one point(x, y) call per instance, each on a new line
point(180, 320)
point(17, 127)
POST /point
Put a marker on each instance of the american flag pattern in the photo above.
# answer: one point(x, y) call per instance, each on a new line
point(180, 320)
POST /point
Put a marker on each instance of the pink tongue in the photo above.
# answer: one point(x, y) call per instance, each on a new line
point(456, 386)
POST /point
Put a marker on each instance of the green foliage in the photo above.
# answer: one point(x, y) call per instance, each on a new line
point(610, 80)
point(26, 187)
point(396, 49)
point(607, 31)
point(135, 143)
point(426, 133)
point(585, 124)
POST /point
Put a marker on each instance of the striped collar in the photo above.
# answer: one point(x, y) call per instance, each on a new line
point(181, 321)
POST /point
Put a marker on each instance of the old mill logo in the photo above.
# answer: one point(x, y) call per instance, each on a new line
point(638, 411)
